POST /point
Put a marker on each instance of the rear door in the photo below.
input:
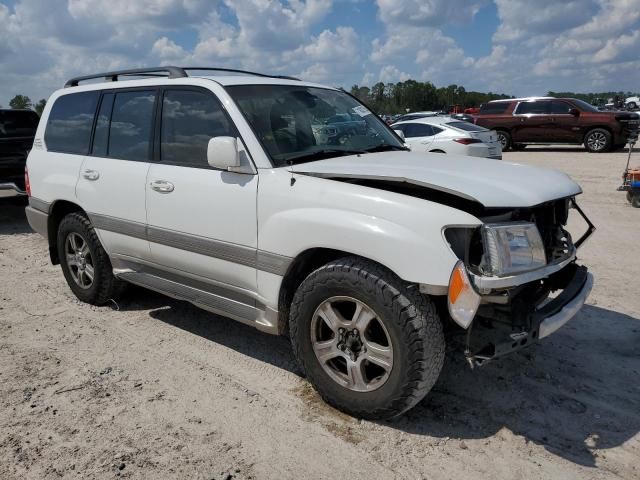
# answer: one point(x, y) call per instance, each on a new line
point(200, 220)
point(419, 136)
point(533, 122)
point(112, 179)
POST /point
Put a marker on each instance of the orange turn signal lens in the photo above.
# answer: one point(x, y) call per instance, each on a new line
point(463, 299)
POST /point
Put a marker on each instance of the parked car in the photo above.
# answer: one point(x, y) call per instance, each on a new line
point(17, 130)
point(214, 190)
point(547, 120)
point(414, 115)
point(449, 135)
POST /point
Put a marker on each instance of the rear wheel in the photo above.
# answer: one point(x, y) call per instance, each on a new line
point(504, 138)
point(85, 264)
point(369, 343)
point(598, 140)
point(635, 200)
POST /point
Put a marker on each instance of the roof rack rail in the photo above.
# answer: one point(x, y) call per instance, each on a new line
point(233, 70)
point(169, 72)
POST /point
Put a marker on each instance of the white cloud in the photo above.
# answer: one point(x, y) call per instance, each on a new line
point(538, 46)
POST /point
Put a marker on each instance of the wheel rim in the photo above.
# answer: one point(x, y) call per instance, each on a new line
point(503, 140)
point(351, 344)
point(79, 260)
point(597, 141)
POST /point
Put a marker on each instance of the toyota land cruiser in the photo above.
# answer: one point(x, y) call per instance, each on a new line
point(222, 191)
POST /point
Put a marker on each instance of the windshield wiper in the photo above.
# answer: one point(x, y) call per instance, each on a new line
point(385, 148)
point(321, 154)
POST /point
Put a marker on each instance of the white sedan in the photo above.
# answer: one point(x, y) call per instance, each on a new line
point(448, 135)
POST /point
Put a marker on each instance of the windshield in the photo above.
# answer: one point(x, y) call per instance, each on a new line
point(584, 105)
point(18, 123)
point(303, 124)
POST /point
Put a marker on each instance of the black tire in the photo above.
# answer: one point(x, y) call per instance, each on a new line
point(635, 200)
point(437, 151)
point(598, 140)
point(410, 318)
point(104, 286)
point(518, 147)
point(505, 139)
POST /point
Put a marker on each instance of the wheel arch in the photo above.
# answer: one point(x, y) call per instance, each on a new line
point(299, 269)
point(58, 210)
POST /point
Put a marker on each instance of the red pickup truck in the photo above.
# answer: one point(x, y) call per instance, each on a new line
point(546, 120)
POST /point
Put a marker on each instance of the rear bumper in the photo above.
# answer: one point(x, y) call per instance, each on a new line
point(38, 220)
point(10, 189)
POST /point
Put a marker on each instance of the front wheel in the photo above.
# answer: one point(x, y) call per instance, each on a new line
point(598, 140)
point(369, 343)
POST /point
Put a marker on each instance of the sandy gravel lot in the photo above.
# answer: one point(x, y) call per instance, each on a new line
point(155, 388)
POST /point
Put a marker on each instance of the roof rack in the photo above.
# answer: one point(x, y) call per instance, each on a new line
point(169, 72)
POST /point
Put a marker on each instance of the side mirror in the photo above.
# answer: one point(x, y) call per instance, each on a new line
point(575, 112)
point(223, 154)
point(400, 133)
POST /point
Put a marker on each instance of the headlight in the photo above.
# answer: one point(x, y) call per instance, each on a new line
point(512, 248)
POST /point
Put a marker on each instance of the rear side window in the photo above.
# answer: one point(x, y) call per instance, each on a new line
point(189, 120)
point(417, 130)
point(494, 107)
point(70, 121)
point(467, 127)
point(18, 123)
point(130, 129)
point(532, 107)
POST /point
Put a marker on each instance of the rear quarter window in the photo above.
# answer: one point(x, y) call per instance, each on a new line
point(70, 122)
point(491, 108)
point(467, 127)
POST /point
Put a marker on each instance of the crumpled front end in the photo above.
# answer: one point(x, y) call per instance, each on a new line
point(518, 280)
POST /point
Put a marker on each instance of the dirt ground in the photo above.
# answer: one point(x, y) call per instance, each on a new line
point(155, 388)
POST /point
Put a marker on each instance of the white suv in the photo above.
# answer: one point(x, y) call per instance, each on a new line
point(240, 194)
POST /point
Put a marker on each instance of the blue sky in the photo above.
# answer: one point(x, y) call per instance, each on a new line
point(520, 47)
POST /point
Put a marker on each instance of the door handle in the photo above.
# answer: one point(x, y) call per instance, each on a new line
point(91, 175)
point(162, 186)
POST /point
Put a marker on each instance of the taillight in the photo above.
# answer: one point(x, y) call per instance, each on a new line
point(27, 185)
point(467, 141)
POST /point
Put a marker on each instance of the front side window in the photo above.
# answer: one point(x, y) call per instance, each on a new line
point(70, 121)
point(130, 129)
point(536, 108)
point(189, 120)
point(560, 107)
point(301, 124)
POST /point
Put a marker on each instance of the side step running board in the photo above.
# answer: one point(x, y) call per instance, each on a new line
point(211, 302)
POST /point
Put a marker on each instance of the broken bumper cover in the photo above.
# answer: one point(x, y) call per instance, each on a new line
point(544, 321)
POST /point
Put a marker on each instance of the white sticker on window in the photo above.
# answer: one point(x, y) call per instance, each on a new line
point(361, 110)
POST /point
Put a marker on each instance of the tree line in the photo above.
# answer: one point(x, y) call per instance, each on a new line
point(413, 96)
point(416, 96)
point(22, 102)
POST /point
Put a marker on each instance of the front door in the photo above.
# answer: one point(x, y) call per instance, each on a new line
point(419, 136)
point(200, 220)
point(111, 186)
point(566, 125)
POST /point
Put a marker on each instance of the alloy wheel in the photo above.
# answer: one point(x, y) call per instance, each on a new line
point(351, 344)
point(597, 141)
point(79, 260)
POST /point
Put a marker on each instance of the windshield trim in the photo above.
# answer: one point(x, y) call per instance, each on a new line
point(319, 87)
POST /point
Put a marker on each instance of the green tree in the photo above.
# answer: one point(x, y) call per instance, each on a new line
point(39, 107)
point(20, 101)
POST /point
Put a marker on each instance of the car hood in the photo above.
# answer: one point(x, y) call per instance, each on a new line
point(492, 183)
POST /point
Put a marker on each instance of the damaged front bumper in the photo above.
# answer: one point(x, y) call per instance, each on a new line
point(523, 324)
